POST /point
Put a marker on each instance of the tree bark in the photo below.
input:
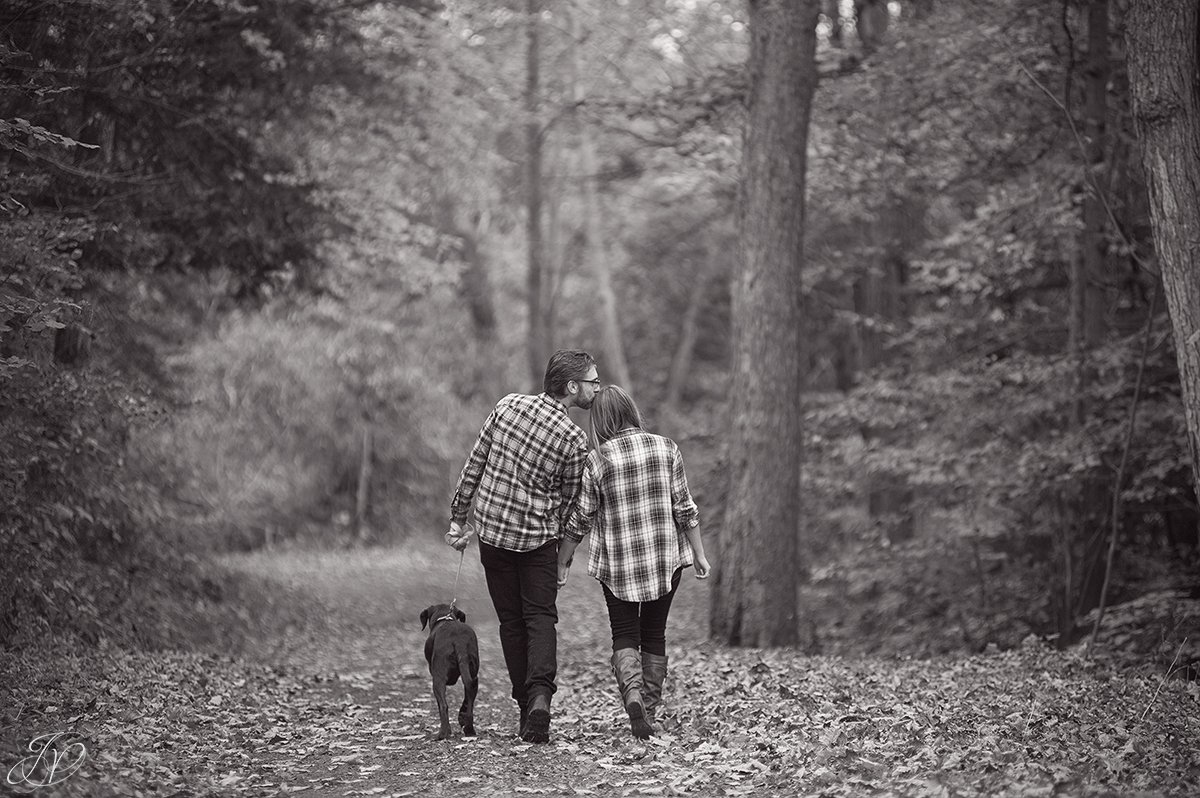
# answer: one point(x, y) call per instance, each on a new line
point(833, 12)
point(595, 249)
point(539, 328)
point(1161, 42)
point(681, 362)
point(1089, 269)
point(760, 566)
point(871, 21)
point(1095, 133)
point(362, 497)
point(481, 301)
point(476, 291)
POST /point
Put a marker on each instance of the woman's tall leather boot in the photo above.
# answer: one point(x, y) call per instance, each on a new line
point(654, 673)
point(627, 666)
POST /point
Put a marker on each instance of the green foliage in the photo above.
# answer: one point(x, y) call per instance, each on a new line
point(948, 157)
point(21, 136)
point(66, 492)
point(274, 440)
point(174, 155)
point(177, 105)
point(134, 137)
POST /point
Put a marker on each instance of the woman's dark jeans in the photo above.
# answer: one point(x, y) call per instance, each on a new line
point(640, 625)
point(524, 588)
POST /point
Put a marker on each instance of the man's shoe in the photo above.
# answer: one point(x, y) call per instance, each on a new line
point(524, 707)
point(537, 723)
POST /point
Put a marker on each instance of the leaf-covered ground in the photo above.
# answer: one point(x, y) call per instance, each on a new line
point(337, 702)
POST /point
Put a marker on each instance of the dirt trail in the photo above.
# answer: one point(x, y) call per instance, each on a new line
point(336, 701)
point(363, 654)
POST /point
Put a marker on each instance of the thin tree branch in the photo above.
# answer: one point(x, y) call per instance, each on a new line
point(1091, 178)
point(1120, 477)
point(1163, 680)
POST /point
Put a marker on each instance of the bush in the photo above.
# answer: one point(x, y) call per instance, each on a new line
point(274, 443)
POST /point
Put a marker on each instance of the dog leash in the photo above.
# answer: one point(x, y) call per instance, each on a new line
point(462, 553)
point(454, 601)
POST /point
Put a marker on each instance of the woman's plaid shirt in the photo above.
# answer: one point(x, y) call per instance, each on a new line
point(522, 474)
point(635, 498)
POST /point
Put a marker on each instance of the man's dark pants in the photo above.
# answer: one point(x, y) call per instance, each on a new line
point(524, 589)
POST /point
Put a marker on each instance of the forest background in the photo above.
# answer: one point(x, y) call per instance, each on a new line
point(265, 267)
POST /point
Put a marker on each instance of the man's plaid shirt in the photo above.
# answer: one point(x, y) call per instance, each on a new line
point(523, 473)
point(635, 498)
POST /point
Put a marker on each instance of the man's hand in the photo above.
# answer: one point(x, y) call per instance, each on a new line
point(703, 569)
point(459, 536)
point(563, 570)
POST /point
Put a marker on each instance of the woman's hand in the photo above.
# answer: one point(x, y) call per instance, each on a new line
point(703, 569)
point(566, 555)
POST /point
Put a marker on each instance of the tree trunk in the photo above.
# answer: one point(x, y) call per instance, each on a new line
point(760, 566)
point(558, 243)
point(362, 498)
point(476, 291)
point(681, 362)
point(539, 328)
point(832, 9)
point(1161, 41)
point(595, 245)
point(871, 21)
point(879, 302)
point(1089, 269)
point(481, 300)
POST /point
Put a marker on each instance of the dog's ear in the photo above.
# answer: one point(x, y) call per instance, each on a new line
point(462, 616)
point(424, 617)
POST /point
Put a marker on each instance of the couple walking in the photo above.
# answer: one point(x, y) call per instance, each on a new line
point(537, 492)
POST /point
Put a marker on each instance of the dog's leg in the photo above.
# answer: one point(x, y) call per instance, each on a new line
point(439, 695)
point(466, 715)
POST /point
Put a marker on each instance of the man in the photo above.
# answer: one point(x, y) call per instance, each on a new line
point(523, 477)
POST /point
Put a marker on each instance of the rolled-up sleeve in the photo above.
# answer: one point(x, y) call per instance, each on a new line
point(687, 515)
point(572, 478)
point(583, 517)
point(468, 480)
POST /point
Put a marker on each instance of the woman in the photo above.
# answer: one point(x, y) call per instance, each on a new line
point(635, 497)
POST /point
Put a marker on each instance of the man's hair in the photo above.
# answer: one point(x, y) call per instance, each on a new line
point(565, 365)
point(612, 411)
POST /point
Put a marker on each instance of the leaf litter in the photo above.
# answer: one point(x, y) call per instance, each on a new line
point(355, 716)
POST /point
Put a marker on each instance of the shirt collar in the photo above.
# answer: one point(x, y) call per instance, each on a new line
point(627, 431)
point(550, 400)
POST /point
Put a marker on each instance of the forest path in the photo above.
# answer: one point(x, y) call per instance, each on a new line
point(337, 702)
point(365, 655)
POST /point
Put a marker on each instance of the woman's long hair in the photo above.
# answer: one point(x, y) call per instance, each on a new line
point(612, 411)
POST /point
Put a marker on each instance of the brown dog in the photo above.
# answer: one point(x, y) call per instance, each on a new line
point(452, 650)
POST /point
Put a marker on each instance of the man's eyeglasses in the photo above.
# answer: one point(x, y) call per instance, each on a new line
point(595, 383)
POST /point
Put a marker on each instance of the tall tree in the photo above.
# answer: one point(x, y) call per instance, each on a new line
point(871, 21)
point(761, 564)
point(595, 249)
point(539, 325)
point(1161, 42)
point(1089, 269)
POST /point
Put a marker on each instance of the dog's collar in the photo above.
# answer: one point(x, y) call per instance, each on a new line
point(448, 617)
